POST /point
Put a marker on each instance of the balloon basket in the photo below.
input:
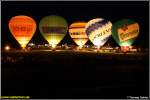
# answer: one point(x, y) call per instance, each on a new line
point(79, 48)
point(24, 50)
point(53, 49)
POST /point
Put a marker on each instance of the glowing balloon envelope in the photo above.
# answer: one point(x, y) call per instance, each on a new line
point(53, 28)
point(77, 33)
point(98, 31)
point(22, 28)
point(125, 32)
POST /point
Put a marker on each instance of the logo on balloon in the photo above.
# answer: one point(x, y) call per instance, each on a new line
point(22, 28)
point(130, 32)
point(60, 30)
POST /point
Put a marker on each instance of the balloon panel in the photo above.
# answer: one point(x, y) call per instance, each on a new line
point(54, 38)
point(53, 28)
point(99, 31)
point(77, 33)
point(125, 32)
point(22, 28)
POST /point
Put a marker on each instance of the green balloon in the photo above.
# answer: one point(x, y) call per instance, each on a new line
point(125, 32)
point(53, 28)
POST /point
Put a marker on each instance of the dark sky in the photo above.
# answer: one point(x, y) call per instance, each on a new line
point(76, 11)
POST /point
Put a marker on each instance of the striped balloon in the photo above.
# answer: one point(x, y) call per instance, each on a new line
point(98, 31)
point(77, 33)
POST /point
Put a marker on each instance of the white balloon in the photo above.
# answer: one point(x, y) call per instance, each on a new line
point(98, 31)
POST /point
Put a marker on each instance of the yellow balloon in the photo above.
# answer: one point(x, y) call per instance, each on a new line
point(53, 28)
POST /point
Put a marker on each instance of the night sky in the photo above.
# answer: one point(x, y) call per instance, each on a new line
point(76, 11)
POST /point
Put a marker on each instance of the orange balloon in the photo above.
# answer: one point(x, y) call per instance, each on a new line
point(22, 28)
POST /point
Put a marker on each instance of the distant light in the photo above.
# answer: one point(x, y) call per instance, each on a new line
point(7, 48)
point(130, 47)
point(125, 48)
point(47, 45)
point(31, 44)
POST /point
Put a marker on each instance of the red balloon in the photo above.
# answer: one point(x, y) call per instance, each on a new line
point(22, 28)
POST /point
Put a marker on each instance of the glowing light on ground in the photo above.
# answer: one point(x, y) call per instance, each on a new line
point(7, 48)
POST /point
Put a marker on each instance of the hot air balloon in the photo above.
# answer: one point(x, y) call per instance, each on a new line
point(125, 32)
point(22, 28)
point(77, 33)
point(98, 31)
point(53, 28)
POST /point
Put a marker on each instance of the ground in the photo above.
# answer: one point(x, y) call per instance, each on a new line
point(74, 74)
